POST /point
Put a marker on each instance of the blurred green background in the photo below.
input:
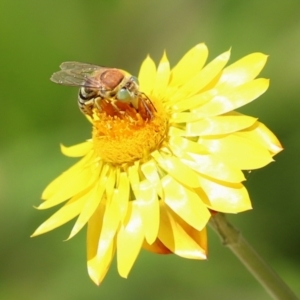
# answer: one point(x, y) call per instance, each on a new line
point(36, 115)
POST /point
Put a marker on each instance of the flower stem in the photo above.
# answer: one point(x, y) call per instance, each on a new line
point(267, 277)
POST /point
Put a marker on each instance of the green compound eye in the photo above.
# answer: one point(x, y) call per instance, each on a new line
point(134, 79)
point(123, 95)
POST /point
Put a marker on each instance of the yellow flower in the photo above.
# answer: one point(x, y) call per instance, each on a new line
point(152, 184)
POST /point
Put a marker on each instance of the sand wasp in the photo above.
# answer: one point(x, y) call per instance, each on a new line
point(101, 86)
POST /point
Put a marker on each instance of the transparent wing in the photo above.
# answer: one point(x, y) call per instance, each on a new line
point(74, 73)
point(79, 67)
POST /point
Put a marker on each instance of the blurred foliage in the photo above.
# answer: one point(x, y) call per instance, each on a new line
point(37, 115)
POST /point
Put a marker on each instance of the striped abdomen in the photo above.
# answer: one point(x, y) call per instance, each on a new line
point(87, 98)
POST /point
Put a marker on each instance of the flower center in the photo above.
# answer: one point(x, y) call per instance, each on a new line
point(125, 136)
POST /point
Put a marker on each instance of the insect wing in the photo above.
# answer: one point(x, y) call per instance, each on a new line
point(79, 67)
point(77, 74)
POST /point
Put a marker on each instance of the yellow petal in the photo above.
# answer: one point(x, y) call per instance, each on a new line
point(69, 211)
point(157, 247)
point(99, 258)
point(200, 237)
point(176, 132)
point(170, 92)
point(149, 169)
point(129, 240)
point(110, 183)
point(93, 199)
point(243, 70)
point(134, 179)
point(189, 117)
point(71, 184)
point(147, 75)
point(111, 221)
point(77, 150)
point(177, 169)
point(206, 75)
point(122, 194)
point(94, 229)
point(219, 125)
point(91, 203)
point(183, 117)
point(66, 176)
point(191, 63)
point(238, 151)
point(98, 266)
point(181, 146)
point(162, 76)
point(230, 198)
point(148, 206)
point(206, 97)
point(195, 101)
point(175, 238)
point(185, 203)
point(212, 166)
point(260, 134)
point(234, 98)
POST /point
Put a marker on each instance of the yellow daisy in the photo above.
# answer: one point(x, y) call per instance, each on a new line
point(152, 182)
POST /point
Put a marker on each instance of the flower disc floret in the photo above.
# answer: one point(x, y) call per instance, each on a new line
point(125, 140)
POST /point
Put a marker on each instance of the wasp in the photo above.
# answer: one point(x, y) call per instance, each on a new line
point(102, 86)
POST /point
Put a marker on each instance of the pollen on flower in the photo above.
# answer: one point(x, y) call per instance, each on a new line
point(123, 138)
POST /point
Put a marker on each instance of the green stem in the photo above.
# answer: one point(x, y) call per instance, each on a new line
point(267, 277)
